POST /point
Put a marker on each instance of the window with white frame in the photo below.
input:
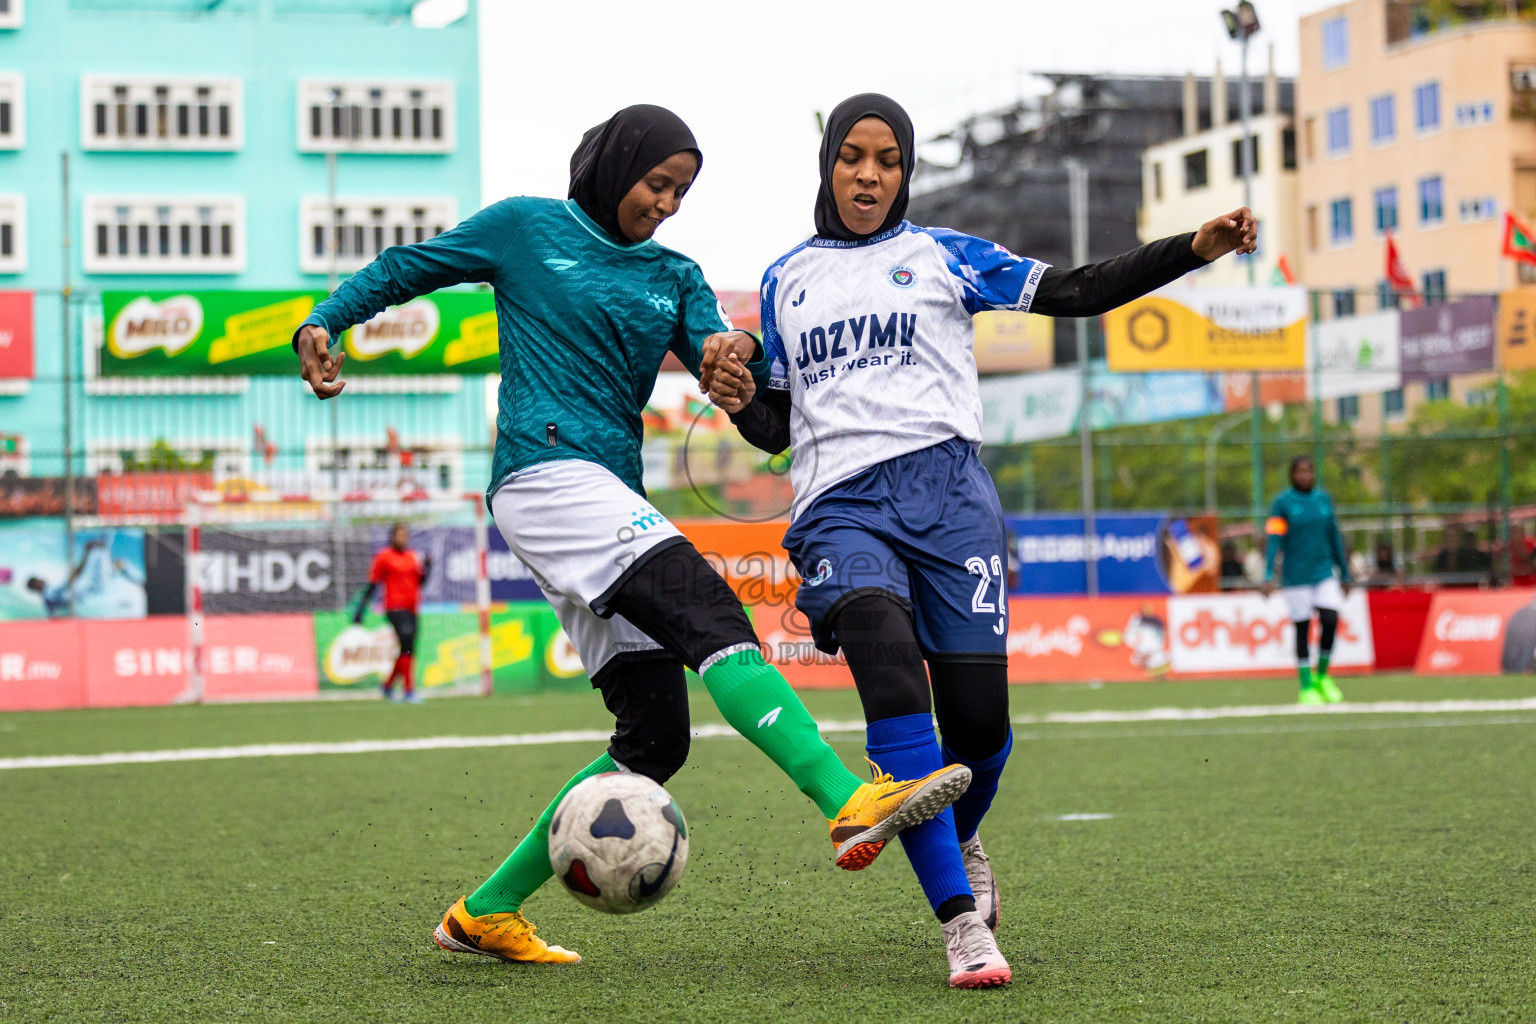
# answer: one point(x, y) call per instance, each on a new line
point(1338, 131)
point(1471, 115)
point(12, 13)
point(1426, 107)
point(224, 457)
point(164, 234)
point(161, 113)
point(1383, 119)
point(1386, 209)
point(1341, 217)
point(13, 111)
point(1335, 43)
point(13, 233)
point(1432, 200)
point(375, 117)
point(359, 228)
point(1478, 208)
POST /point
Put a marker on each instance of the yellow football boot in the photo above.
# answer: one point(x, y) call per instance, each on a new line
point(503, 936)
point(880, 809)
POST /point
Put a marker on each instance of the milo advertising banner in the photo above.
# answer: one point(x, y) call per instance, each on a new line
point(201, 334)
point(236, 333)
point(529, 650)
point(448, 332)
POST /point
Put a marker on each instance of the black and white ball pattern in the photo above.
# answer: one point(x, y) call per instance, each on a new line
point(619, 842)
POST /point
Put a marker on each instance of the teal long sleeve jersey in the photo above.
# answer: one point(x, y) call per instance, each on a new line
point(584, 324)
point(1302, 527)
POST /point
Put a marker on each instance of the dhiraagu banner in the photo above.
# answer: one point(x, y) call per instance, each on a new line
point(238, 333)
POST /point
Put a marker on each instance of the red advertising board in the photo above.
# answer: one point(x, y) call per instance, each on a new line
point(155, 493)
point(1397, 626)
point(16, 334)
point(1112, 639)
point(1479, 632)
point(145, 662)
point(40, 666)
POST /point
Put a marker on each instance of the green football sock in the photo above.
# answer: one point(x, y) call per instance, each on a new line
point(528, 866)
point(759, 704)
point(1304, 672)
point(1323, 657)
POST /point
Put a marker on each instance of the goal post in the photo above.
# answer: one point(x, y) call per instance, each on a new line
point(295, 556)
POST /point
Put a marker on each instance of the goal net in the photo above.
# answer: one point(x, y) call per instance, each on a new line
point(300, 567)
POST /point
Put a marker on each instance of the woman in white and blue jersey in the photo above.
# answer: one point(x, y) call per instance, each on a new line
point(897, 529)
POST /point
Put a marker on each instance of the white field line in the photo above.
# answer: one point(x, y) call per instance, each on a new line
point(724, 731)
point(1384, 707)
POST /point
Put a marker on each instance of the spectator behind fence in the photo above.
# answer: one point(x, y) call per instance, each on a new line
point(1522, 558)
point(1384, 574)
point(1233, 574)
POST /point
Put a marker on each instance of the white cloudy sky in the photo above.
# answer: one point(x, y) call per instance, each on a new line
point(748, 78)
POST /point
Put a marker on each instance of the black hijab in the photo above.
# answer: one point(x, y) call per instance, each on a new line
point(619, 152)
point(844, 116)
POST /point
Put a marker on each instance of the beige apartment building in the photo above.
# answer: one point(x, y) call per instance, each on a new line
point(1417, 119)
point(1187, 181)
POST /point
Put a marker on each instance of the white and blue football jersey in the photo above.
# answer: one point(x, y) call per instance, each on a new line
point(873, 341)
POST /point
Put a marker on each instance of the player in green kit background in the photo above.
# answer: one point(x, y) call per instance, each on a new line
point(587, 306)
point(1304, 533)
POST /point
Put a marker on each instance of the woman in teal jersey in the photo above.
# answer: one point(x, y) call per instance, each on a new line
point(1302, 528)
point(587, 307)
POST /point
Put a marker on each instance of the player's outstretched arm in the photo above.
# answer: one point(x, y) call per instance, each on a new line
point(1237, 232)
point(1097, 288)
point(469, 252)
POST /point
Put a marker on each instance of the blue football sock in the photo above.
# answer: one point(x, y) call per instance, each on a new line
point(907, 748)
point(973, 804)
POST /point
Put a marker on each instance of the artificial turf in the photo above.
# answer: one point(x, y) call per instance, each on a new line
point(1349, 868)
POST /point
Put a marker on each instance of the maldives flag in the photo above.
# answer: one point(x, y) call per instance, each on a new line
point(1397, 274)
point(1519, 240)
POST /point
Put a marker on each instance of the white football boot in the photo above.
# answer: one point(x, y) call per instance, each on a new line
point(978, 871)
point(974, 959)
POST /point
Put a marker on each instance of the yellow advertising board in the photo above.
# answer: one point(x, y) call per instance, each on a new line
point(1209, 329)
point(1008, 341)
point(1517, 329)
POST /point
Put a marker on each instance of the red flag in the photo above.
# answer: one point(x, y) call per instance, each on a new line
point(1519, 240)
point(1397, 274)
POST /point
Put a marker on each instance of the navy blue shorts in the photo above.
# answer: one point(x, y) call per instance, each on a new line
point(926, 528)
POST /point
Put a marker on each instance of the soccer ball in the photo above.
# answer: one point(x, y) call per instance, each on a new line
point(619, 842)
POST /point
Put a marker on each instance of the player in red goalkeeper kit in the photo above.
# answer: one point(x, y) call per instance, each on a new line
point(401, 572)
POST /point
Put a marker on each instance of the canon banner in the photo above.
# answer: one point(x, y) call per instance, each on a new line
point(1472, 632)
point(1238, 634)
